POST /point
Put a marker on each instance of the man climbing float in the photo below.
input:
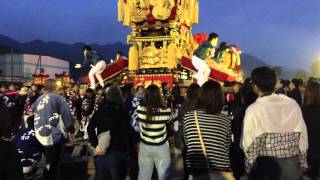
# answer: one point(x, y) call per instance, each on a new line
point(205, 50)
point(97, 63)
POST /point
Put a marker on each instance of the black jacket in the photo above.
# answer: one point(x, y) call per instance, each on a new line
point(237, 155)
point(10, 166)
point(296, 95)
point(114, 118)
point(20, 102)
point(311, 115)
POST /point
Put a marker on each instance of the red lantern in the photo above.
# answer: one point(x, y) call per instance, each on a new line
point(40, 78)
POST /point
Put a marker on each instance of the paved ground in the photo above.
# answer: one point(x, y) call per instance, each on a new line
point(176, 166)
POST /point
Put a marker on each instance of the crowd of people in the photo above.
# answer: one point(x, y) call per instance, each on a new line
point(263, 128)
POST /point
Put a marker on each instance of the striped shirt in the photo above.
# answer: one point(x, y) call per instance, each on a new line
point(153, 132)
point(216, 134)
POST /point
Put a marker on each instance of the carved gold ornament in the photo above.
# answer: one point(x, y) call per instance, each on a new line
point(163, 8)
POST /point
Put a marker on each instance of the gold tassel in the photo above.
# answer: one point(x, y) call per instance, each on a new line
point(172, 52)
point(133, 58)
point(120, 10)
point(226, 58)
point(127, 13)
point(187, 12)
point(238, 60)
point(233, 60)
point(196, 12)
point(191, 11)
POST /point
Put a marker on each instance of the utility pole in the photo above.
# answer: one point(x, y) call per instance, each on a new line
point(37, 66)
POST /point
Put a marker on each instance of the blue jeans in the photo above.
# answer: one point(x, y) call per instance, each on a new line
point(114, 162)
point(154, 155)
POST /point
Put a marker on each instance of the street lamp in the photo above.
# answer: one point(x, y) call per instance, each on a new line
point(78, 66)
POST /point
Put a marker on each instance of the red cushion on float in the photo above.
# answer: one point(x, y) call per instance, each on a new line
point(214, 74)
point(112, 70)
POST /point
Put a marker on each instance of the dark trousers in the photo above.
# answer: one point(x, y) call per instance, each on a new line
point(53, 156)
point(134, 165)
point(237, 162)
point(313, 171)
point(269, 168)
point(114, 162)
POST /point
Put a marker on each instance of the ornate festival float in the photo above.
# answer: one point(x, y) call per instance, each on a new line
point(162, 44)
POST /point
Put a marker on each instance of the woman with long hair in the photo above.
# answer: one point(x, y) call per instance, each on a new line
point(154, 146)
point(247, 97)
point(295, 92)
point(189, 104)
point(311, 114)
point(207, 135)
point(111, 142)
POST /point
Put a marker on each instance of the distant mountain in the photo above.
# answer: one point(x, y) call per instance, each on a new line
point(73, 54)
point(250, 62)
point(69, 52)
point(4, 40)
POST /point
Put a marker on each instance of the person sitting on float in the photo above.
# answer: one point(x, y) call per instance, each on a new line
point(235, 57)
point(201, 54)
point(120, 56)
point(218, 56)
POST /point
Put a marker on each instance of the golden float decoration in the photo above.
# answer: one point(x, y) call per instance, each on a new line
point(161, 34)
